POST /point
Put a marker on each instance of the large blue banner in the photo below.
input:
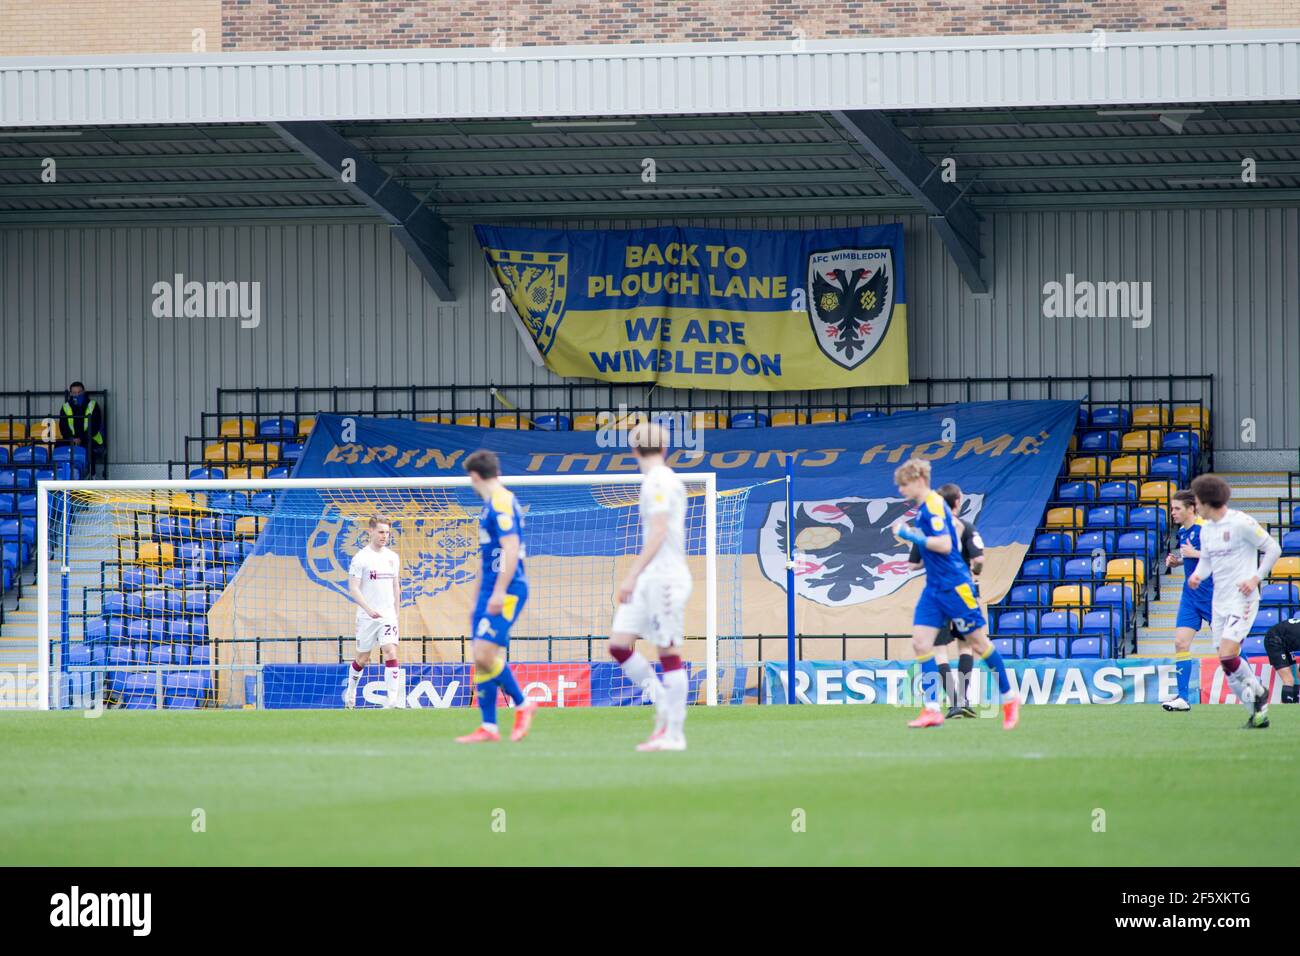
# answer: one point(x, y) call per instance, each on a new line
point(852, 575)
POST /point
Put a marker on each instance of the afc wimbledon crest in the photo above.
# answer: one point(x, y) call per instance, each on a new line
point(843, 550)
point(536, 284)
point(850, 301)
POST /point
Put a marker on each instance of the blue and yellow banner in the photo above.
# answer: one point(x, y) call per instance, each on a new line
point(743, 310)
point(851, 574)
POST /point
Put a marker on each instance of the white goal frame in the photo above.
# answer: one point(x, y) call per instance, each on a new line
point(45, 488)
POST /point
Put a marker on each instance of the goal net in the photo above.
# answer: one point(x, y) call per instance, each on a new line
point(208, 594)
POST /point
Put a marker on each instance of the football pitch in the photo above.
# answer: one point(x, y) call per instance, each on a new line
point(1125, 785)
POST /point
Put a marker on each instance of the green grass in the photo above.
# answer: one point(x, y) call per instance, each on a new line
point(390, 787)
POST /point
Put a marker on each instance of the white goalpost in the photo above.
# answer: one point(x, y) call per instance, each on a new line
point(196, 594)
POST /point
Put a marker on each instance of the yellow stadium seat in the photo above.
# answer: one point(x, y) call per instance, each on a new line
point(305, 425)
point(1072, 595)
point(788, 418)
point(1288, 567)
point(221, 452)
point(710, 419)
point(1083, 467)
point(474, 421)
point(435, 419)
point(1127, 570)
point(1191, 416)
point(827, 417)
point(1064, 517)
point(1157, 491)
point(1140, 441)
point(246, 527)
point(182, 501)
point(1074, 443)
point(1151, 415)
point(238, 428)
point(155, 552)
point(257, 451)
point(584, 423)
point(510, 420)
point(10, 429)
point(1129, 465)
point(243, 472)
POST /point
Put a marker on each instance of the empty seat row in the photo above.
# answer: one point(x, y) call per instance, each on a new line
point(1159, 492)
point(1118, 416)
point(164, 554)
point(140, 604)
point(1087, 646)
point(112, 632)
point(1177, 467)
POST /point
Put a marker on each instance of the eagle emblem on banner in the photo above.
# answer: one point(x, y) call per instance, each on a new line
point(851, 300)
point(843, 549)
point(536, 284)
point(438, 548)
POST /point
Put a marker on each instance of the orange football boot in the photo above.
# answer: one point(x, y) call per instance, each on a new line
point(523, 720)
point(1010, 713)
point(929, 718)
point(481, 736)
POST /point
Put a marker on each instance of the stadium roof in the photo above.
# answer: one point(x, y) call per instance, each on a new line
point(833, 128)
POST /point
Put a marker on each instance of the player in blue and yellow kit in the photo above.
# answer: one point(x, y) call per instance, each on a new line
point(1196, 606)
point(949, 594)
point(503, 591)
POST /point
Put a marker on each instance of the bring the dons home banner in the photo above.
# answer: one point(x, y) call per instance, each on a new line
point(742, 310)
point(852, 574)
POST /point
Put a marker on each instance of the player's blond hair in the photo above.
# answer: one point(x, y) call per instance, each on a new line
point(648, 438)
point(912, 469)
point(376, 520)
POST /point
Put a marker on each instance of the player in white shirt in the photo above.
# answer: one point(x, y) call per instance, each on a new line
point(375, 586)
point(652, 598)
point(1230, 544)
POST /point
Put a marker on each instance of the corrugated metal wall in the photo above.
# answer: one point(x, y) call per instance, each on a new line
point(343, 306)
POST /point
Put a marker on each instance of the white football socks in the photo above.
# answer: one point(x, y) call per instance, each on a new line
point(675, 690)
point(393, 686)
point(642, 674)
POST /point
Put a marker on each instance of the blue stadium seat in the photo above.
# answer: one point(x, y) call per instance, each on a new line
point(1091, 541)
point(18, 529)
point(1253, 646)
point(155, 602)
point(198, 630)
point(291, 451)
point(1017, 622)
point(207, 474)
point(1076, 491)
point(222, 528)
point(195, 552)
point(78, 654)
point(1059, 622)
point(215, 578)
point(94, 631)
point(1118, 491)
point(184, 690)
point(75, 455)
point(1291, 542)
point(1053, 542)
point(1007, 647)
point(1043, 647)
point(1100, 441)
point(1137, 542)
point(1095, 646)
point(1279, 595)
point(1175, 467)
point(8, 504)
point(279, 472)
point(1081, 569)
point(191, 577)
point(138, 691)
point(200, 654)
point(178, 630)
point(1149, 518)
point(1265, 618)
point(1107, 516)
point(1181, 441)
point(553, 423)
point(1106, 621)
point(1026, 594)
point(137, 631)
point(117, 604)
point(160, 654)
point(168, 527)
point(1116, 595)
point(749, 420)
point(133, 579)
point(1041, 568)
point(1110, 417)
point(27, 505)
point(228, 501)
point(866, 414)
point(277, 428)
point(198, 600)
point(262, 501)
point(28, 454)
point(174, 578)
